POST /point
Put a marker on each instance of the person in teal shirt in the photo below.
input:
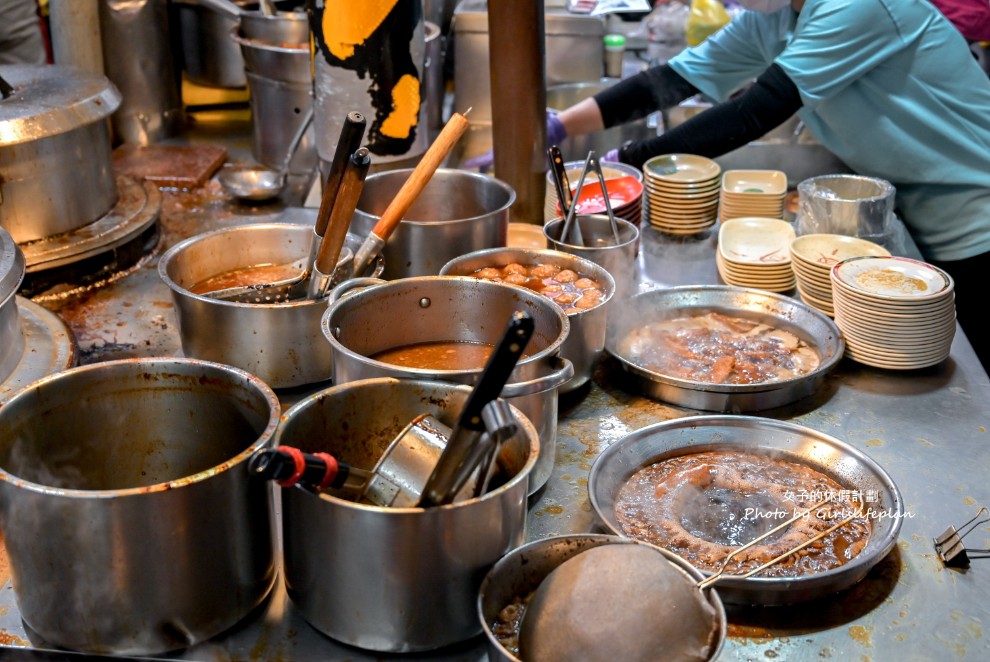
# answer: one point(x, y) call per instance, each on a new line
point(888, 86)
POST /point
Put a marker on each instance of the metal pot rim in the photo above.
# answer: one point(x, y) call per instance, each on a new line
point(245, 42)
point(263, 438)
point(419, 373)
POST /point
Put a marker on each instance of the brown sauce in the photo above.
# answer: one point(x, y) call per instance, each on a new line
point(569, 289)
point(441, 355)
point(258, 275)
point(703, 506)
point(509, 621)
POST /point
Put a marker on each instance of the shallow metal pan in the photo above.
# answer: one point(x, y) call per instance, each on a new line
point(783, 312)
point(837, 459)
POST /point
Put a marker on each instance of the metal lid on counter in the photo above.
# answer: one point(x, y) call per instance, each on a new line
point(51, 99)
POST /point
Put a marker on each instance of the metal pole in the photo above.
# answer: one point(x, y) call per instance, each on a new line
point(519, 101)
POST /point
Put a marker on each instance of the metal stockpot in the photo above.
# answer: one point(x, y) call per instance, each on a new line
point(393, 579)
point(55, 164)
point(458, 212)
point(11, 335)
point(451, 308)
point(130, 519)
point(279, 343)
point(586, 340)
point(209, 57)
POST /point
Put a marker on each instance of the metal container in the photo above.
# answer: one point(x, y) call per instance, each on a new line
point(600, 247)
point(845, 464)
point(131, 522)
point(283, 60)
point(278, 108)
point(281, 343)
point(585, 342)
point(808, 324)
point(458, 212)
point(450, 308)
point(575, 148)
point(851, 205)
point(433, 67)
point(56, 172)
point(209, 57)
point(523, 569)
point(11, 275)
point(393, 579)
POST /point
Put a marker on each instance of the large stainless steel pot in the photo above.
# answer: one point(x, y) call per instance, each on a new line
point(450, 308)
point(837, 459)
point(55, 164)
point(586, 340)
point(131, 522)
point(281, 343)
point(393, 579)
point(11, 335)
point(458, 212)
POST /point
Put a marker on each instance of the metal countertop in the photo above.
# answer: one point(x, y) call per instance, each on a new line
point(927, 428)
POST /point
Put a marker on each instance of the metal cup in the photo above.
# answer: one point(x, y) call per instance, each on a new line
point(600, 247)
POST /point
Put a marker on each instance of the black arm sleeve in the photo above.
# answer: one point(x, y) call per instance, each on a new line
point(764, 106)
point(630, 99)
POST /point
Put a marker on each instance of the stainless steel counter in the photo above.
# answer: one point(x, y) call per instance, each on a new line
point(927, 428)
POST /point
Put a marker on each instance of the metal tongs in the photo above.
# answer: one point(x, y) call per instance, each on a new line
point(590, 163)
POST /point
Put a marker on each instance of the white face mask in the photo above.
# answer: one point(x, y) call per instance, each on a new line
point(767, 6)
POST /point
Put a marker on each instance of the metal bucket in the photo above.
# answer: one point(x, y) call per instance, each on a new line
point(576, 148)
point(131, 522)
point(458, 212)
point(209, 57)
point(851, 205)
point(450, 308)
point(278, 108)
point(282, 344)
point(586, 340)
point(393, 579)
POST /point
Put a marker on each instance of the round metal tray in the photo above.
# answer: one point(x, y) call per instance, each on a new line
point(810, 325)
point(837, 459)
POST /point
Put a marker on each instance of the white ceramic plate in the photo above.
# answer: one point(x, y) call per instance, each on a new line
point(892, 278)
point(756, 240)
point(755, 182)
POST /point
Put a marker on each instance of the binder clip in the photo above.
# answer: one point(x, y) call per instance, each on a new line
point(949, 545)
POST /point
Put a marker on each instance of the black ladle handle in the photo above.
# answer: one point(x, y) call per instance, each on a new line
point(6, 89)
point(560, 181)
point(351, 135)
point(500, 365)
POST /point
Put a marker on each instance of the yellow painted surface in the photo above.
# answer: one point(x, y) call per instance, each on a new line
point(405, 108)
point(347, 24)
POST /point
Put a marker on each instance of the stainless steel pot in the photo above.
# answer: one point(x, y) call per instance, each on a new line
point(458, 212)
point(393, 579)
point(11, 275)
point(586, 340)
point(209, 57)
point(523, 569)
point(131, 522)
point(847, 465)
point(56, 172)
point(282, 344)
point(449, 308)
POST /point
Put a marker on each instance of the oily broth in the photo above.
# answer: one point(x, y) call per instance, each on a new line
point(695, 506)
point(244, 276)
point(438, 355)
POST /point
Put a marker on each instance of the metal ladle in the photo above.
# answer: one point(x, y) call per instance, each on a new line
point(258, 183)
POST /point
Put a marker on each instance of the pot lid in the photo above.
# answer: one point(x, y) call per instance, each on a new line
point(50, 99)
point(11, 266)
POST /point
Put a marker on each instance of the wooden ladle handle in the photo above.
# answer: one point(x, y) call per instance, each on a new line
point(351, 186)
point(420, 176)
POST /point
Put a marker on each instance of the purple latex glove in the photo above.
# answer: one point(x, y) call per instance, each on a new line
point(611, 156)
point(556, 133)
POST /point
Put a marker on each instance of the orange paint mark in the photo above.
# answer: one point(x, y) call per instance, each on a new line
point(347, 24)
point(405, 104)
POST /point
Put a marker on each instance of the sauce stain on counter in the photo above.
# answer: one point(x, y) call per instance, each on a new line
point(862, 634)
point(874, 443)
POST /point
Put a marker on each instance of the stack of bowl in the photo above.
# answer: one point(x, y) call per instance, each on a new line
point(573, 170)
point(625, 196)
point(682, 192)
point(755, 252)
point(752, 193)
point(814, 255)
point(894, 312)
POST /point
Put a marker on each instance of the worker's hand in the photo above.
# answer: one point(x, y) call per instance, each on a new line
point(556, 133)
point(611, 156)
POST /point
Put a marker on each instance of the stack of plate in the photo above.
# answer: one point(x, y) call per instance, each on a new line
point(894, 312)
point(573, 170)
point(752, 193)
point(814, 255)
point(755, 252)
point(681, 193)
